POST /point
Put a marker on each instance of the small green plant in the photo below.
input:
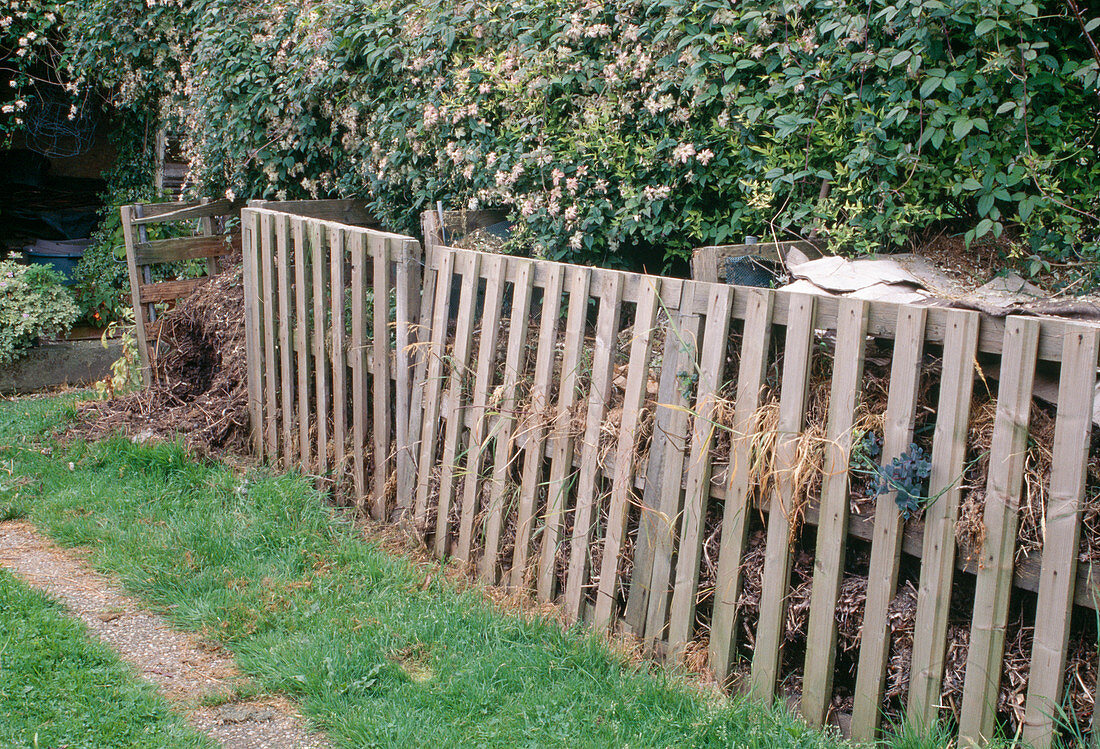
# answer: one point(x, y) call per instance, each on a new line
point(907, 474)
point(125, 374)
point(33, 305)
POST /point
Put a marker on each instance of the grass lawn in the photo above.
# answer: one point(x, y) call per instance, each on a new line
point(377, 652)
point(60, 688)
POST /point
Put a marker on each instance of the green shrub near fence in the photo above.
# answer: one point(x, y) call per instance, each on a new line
point(624, 132)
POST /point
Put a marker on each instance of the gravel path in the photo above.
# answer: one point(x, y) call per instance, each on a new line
point(185, 669)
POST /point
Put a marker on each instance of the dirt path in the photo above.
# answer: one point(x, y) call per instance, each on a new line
point(185, 670)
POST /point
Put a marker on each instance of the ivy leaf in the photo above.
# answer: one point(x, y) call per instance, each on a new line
point(929, 86)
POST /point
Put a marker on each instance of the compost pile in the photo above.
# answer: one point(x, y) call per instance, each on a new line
point(199, 393)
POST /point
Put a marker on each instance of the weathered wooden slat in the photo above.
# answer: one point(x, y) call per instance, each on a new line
point(286, 372)
point(901, 406)
point(504, 444)
point(302, 299)
point(649, 519)
point(1061, 541)
point(320, 356)
point(684, 365)
point(127, 213)
point(623, 472)
point(420, 343)
point(797, 358)
point(160, 213)
point(477, 444)
point(1007, 456)
point(711, 372)
point(536, 426)
point(755, 340)
point(251, 320)
point(817, 683)
point(937, 545)
point(168, 291)
point(339, 347)
point(433, 383)
point(380, 382)
point(407, 254)
point(269, 332)
point(470, 264)
point(346, 211)
point(186, 248)
point(560, 481)
point(357, 359)
point(588, 474)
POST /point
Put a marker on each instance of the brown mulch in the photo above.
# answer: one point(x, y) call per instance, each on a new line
point(200, 392)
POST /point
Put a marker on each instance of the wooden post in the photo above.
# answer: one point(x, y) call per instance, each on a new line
point(320, 356)
point(358, 361)
point(249, 241)
point(269, 332)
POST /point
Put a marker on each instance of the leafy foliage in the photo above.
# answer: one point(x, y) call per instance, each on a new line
point(625, 132)
point(33, 305)
point(906, 474)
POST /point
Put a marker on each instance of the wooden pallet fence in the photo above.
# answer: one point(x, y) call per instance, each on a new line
point(331, 336)
point(689, 461)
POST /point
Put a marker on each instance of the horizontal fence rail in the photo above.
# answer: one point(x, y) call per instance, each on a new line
point(695, 463)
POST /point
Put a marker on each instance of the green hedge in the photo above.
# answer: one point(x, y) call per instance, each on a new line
point(626, 131)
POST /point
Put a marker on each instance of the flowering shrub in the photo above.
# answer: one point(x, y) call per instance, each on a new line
point(622, 131)
point(33, 305)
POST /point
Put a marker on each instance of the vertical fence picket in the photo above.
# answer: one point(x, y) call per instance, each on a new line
point(901, 406)
point(755, 341)
point(682, 366)
point(712, 362)
point(636, 612)
point(380, 382)
point(622, 477)
point(320, 356)
point(533, 456)
point(503, 433)
point(249, 272)
point(798, 357)
point(456, 387)
point(269, 334)
point(832, 529)
point(420, 345)
point(585, 512)
point(561, 458)
point(358, 362)
point(337, 239)
point(945, 483)
point(286, 313)
point(1058, 574)
point(302, 301)
point(407, 287)
point(433, 384)
point(477, 445)
point(993, 587)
